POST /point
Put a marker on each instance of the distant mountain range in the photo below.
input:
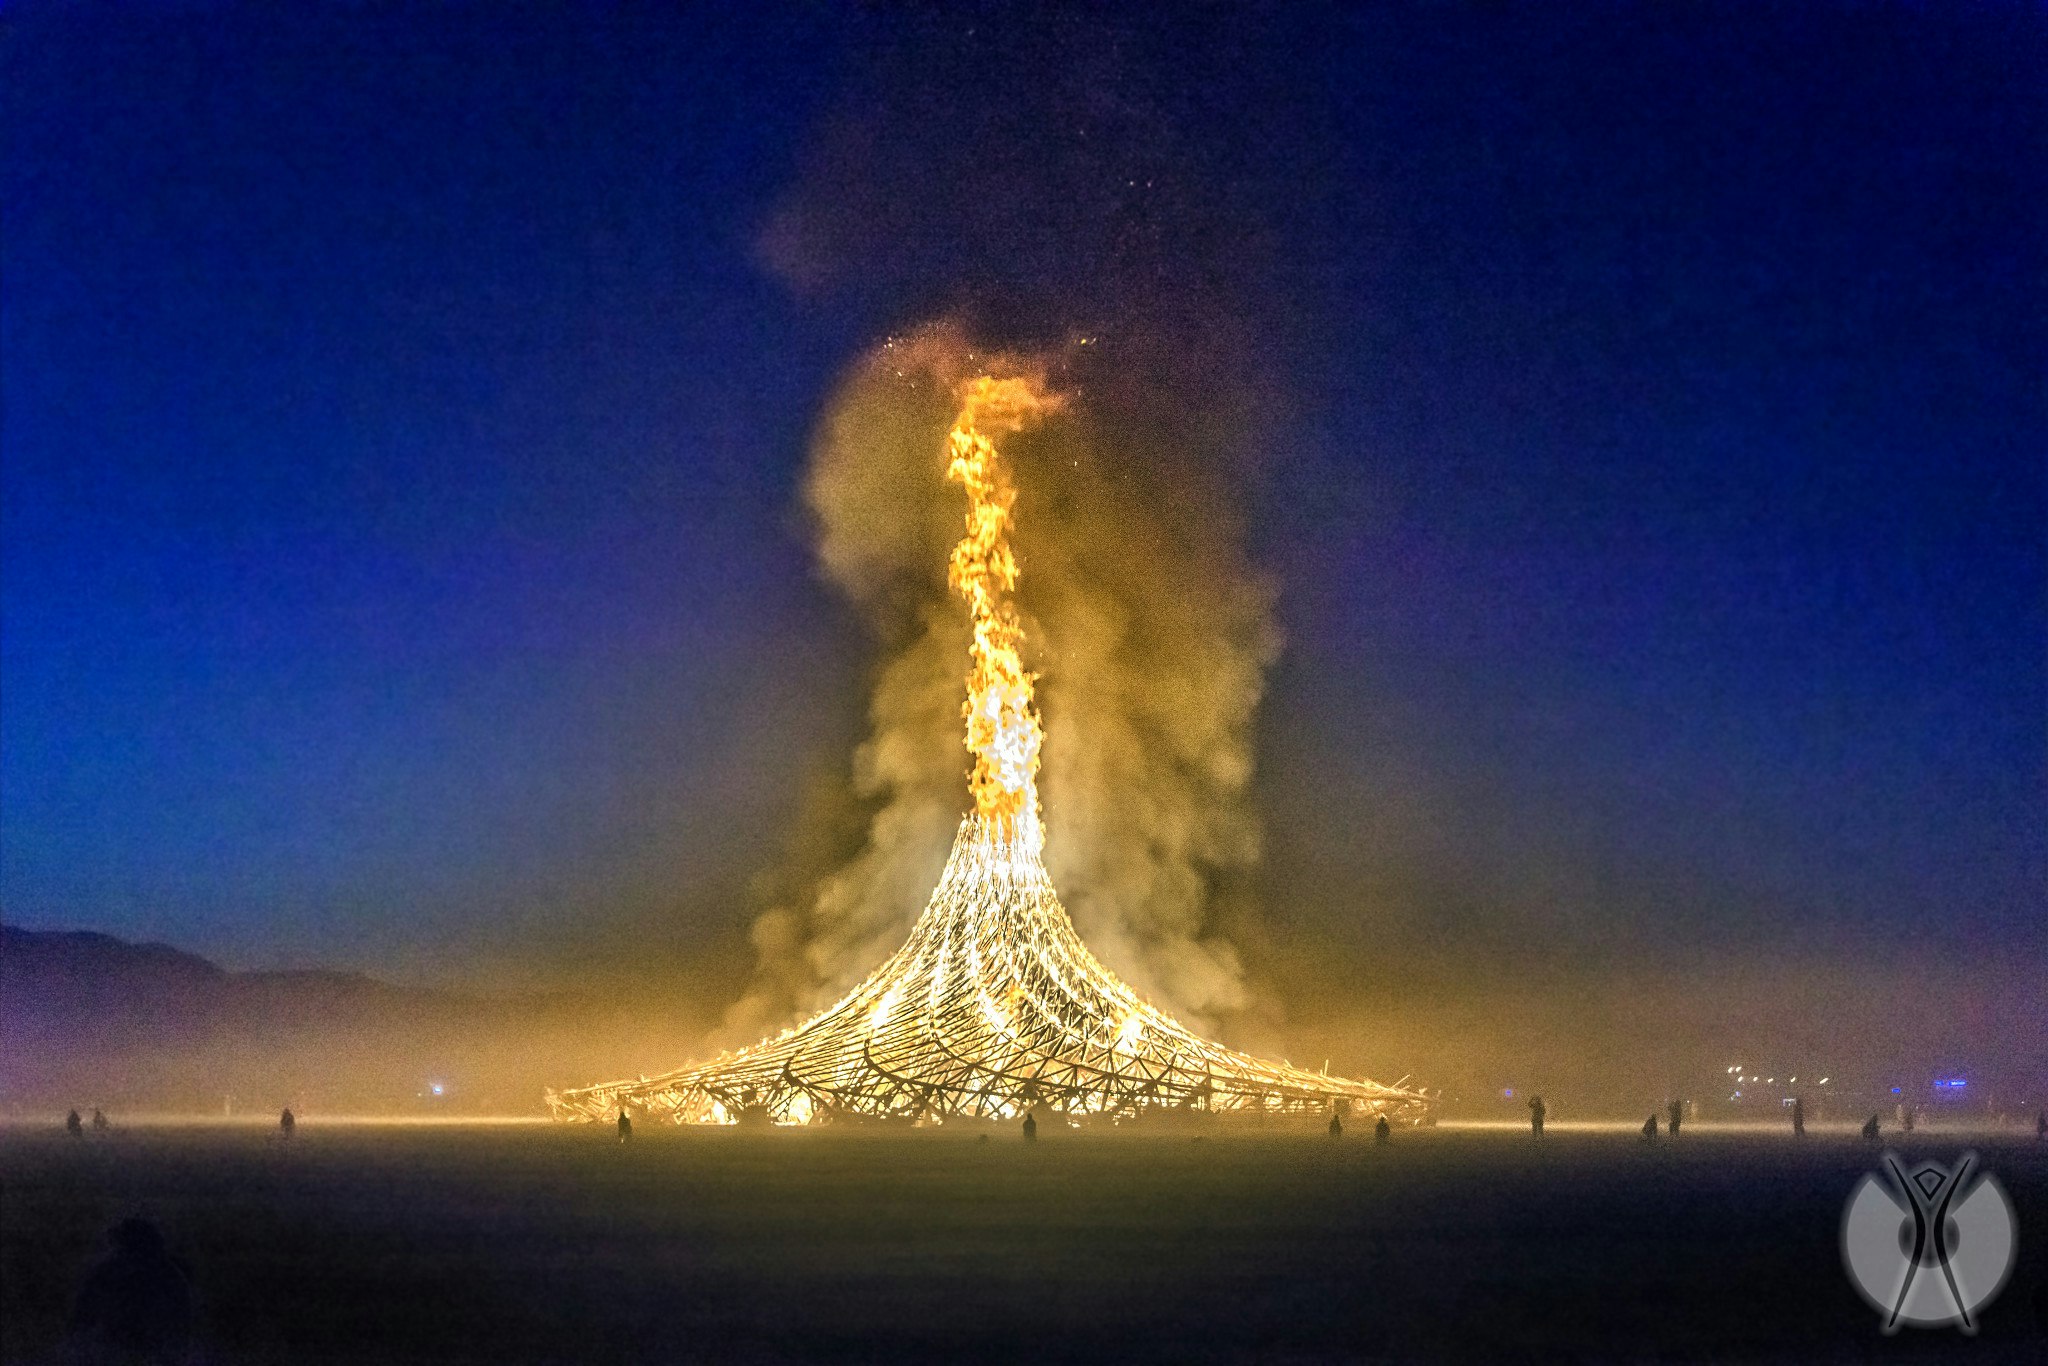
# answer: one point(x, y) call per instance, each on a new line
point(90, 1020)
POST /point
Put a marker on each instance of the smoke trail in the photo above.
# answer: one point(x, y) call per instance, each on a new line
point(1149, 630)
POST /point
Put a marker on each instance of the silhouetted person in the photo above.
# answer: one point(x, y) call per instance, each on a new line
point(1650, 1128)
point(1677, 1109)
point(99, 1121)
point(1380, 1131)
point(1798, 1117)
point(1906, 1118)
point(1030, 1128)
point(1536, 1112)
point(73, 1125)
point(625, 1127)
point(1870, 1128)
point(136, 1306)
point(286, 1123)
point(1336, 1126)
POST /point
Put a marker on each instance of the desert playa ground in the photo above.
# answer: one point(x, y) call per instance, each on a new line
point(536, 1243)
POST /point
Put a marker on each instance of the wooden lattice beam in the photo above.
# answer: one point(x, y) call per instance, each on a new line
point(993, 1006)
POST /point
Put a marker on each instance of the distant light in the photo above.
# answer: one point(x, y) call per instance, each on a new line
point(1774, 1081)
point(1795, 1081)
point(1507, 1092)
point(1950, 1084)
point(437, 1088)
point(1823, 1081)
point(1895, 1090)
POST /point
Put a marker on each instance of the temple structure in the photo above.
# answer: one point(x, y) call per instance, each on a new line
point(994, 1007)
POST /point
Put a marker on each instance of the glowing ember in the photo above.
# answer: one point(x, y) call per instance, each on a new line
point(994, 1006)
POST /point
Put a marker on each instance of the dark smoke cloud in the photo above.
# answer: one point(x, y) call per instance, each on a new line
point(1039, 171)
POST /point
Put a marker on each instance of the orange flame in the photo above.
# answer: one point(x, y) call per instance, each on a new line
point(1003, 732)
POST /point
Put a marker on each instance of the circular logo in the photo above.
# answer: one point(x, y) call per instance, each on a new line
point(1928, 1244)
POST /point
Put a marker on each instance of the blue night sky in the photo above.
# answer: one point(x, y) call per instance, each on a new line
point(404, 409)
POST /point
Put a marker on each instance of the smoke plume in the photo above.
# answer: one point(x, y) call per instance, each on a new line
point(1035, 177)
point(1148, 628)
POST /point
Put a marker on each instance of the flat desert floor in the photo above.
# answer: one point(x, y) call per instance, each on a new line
point(535, 1243)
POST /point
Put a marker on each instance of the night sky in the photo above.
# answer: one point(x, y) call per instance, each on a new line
point(403, 566)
